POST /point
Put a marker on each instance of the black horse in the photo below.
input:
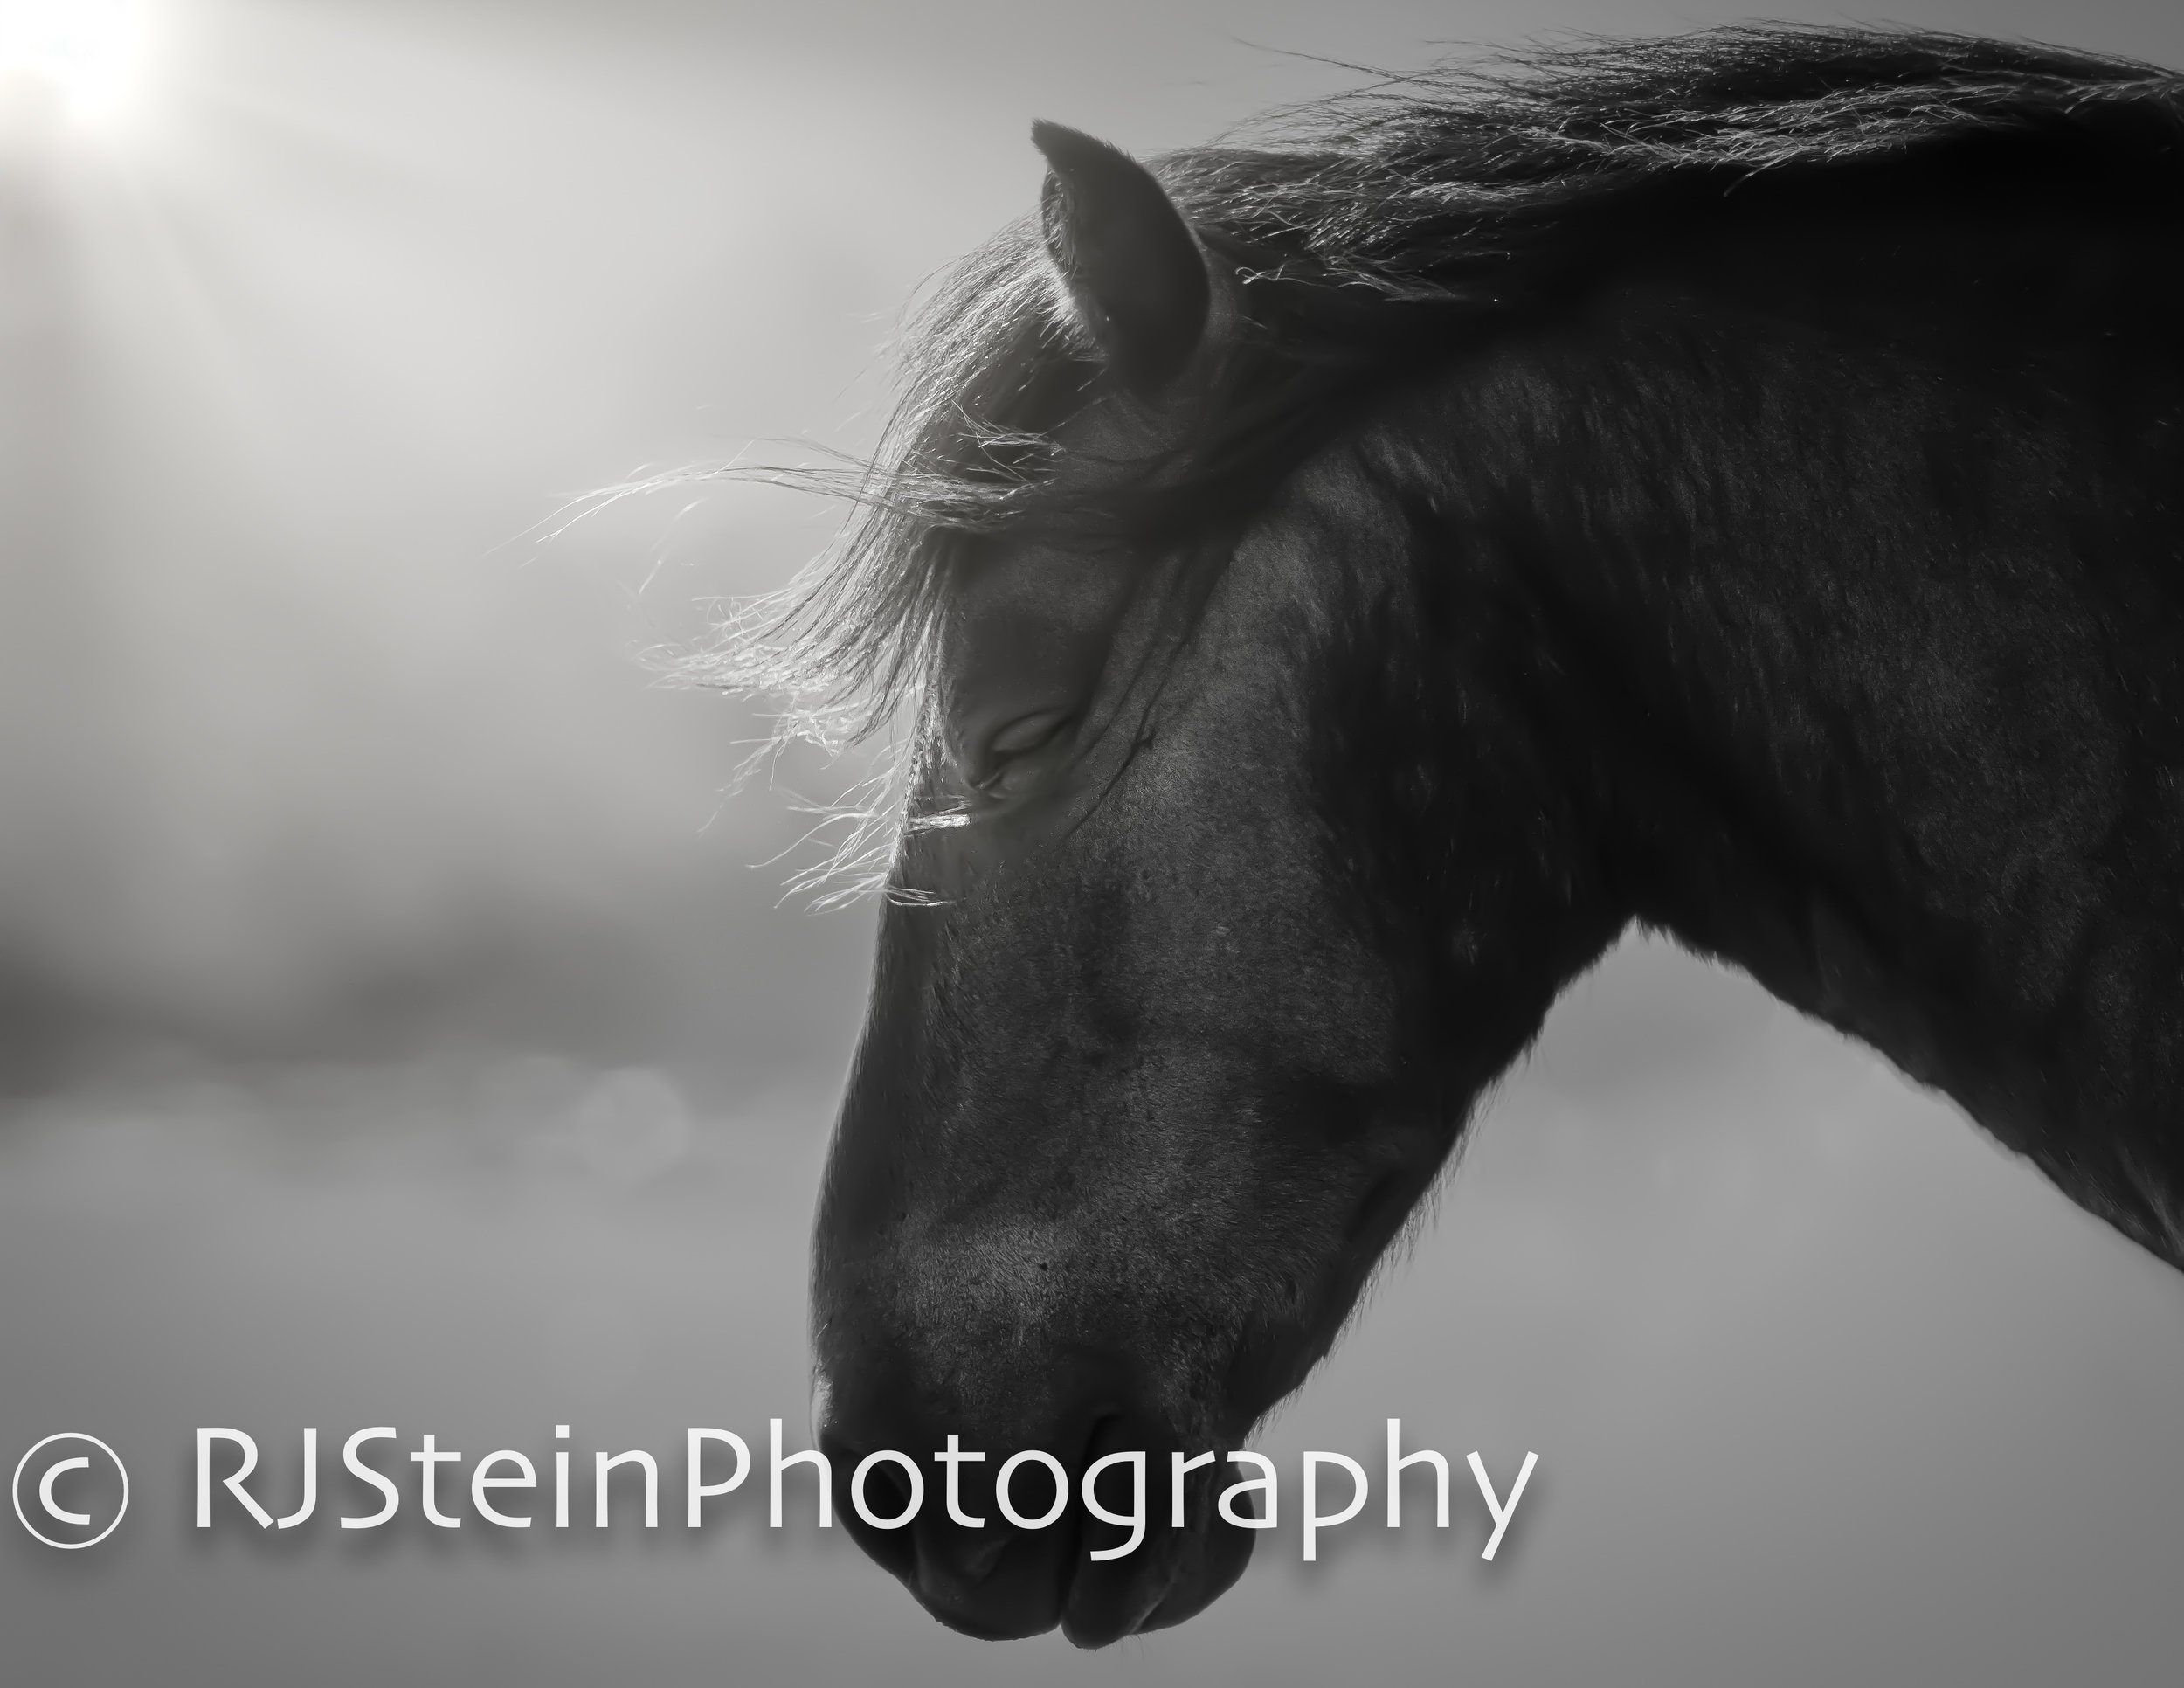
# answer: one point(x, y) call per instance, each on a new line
point(1728, 483)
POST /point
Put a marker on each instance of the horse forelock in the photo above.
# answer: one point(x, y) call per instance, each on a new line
point(1365, 230)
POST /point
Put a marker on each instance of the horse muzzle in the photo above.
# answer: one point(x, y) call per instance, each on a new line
point(1102, 1566)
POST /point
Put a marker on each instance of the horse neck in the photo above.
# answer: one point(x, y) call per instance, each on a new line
point(1868, 657)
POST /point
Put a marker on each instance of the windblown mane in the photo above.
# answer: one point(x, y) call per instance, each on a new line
point(1368, 228)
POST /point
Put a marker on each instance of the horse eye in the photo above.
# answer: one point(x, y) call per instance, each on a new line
point(1005, 756)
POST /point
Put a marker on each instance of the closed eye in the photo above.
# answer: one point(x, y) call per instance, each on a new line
point(1010, 756)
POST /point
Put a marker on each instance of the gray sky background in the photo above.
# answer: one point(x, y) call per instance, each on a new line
point(398, 1030)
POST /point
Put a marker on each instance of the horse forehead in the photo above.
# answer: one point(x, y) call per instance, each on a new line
point(1032, 584)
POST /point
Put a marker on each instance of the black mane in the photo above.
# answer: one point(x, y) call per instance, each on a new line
point(1371, 230)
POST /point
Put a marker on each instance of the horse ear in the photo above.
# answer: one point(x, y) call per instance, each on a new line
point(1132, 266)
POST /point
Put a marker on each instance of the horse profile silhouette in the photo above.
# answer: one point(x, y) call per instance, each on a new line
point(1339, 580)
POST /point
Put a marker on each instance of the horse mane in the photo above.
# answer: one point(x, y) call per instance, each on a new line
point(1368, 228)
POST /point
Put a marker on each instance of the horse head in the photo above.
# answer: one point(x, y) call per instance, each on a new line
point(1159, 1055)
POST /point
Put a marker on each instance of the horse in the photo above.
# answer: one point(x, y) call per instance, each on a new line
point(1331, 585)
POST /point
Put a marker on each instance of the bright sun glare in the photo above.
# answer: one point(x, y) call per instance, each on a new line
point(85, 51)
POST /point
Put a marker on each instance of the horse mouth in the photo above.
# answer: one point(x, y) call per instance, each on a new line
point(1092, 1610)
point(1222, 1558)
point(1005, 1584)
point(1007, 1587)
